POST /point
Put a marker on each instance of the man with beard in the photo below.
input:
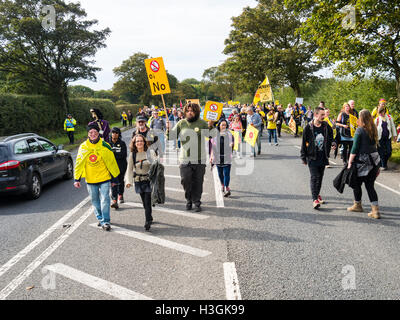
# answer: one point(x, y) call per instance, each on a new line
point(192, 157)
point(145, 131)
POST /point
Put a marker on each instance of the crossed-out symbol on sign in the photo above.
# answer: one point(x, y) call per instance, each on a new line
point(251, 134)
point(213, 107)
point(154, 66)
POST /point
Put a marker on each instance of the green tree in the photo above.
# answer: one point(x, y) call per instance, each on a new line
point(356, 44)
point(80, 91)
point(133, 84)
point(264, 41)
point(50, 58)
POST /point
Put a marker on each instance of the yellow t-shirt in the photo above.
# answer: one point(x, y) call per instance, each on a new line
point(271, 122)
point(96, 170)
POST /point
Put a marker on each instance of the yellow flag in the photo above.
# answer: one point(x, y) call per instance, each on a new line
point(236, 138)
point(264, 92)
point(353, 125)
point(292, 125)
point(251, 135)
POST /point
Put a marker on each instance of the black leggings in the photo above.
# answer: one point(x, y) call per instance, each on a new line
point(347, 145)
point(146, 200)
point(369, 182)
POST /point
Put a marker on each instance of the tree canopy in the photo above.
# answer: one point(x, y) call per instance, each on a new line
point(49, 58)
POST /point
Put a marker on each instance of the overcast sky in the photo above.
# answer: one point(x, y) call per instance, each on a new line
point(188, 34)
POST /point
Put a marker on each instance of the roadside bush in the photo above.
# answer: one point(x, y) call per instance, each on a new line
point(41, 114)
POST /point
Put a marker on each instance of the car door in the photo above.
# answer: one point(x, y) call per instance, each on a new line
point(41, 159)
point(57, 167)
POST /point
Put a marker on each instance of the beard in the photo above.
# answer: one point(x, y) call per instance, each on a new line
point(193, 119)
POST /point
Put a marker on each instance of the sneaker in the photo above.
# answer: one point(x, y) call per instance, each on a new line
point(259, 152)
point(320, 200)
point(197, 209)
point(114, 204)
point(121, 199)
point(147, 225)
point(227, 194)
point(316, 204)
point(99, 224)
point(383, 168)
point(189, 206)
point(277, 144)
point(106, 227)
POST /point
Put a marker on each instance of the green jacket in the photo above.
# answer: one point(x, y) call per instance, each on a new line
point(193, 137)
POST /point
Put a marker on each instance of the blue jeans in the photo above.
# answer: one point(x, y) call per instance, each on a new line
point(100, 194)
point(224, 174)
point(272, 133)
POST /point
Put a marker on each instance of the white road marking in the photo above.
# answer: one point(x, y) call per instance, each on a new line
point(179, 190)
point(45, 254)
point(96, 283)
point(297, 147)
point(388, 188)
point(219, 199)
point(176, 212)
point(231, 282)
point(159, 241)
point(332, 162)
point(170, 165)
point(41, 238)
point(172, 176)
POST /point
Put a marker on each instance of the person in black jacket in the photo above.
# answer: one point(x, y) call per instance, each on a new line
point(120, 152)
point(315, 149)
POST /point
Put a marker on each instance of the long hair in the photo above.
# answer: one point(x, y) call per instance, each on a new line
point(344, 106)
point(132, 144)
point(365, 121)
point(195, 107)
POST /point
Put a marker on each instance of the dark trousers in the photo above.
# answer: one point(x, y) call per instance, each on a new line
point(317, 174)
point(119, 188)
point(385, 151)
point(347, 145)
point(70, 135)
point(279, 129)
point(146, 200)
point(369, 182)
point(224, 174)
point(192, 177)
point(130, 122)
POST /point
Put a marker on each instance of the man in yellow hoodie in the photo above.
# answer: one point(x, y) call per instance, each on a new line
point(96, 163)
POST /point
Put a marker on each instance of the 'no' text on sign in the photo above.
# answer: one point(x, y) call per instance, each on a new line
point(157, 76)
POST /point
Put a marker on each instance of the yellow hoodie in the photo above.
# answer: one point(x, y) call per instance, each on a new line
point(96, 162)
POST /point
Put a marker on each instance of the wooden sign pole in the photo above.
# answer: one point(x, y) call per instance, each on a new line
point(165, 109)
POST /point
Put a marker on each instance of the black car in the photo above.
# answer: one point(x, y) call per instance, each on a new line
point(28, 161)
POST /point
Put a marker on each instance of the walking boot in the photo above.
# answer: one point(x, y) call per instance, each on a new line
point(356, 207)
point(375, 212)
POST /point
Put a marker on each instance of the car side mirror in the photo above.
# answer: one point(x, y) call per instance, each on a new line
point(60, 147)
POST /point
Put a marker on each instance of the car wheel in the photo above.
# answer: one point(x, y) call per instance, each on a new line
point(35, 187)
point(70, 170)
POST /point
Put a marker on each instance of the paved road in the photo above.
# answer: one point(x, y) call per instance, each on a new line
point(281, 248)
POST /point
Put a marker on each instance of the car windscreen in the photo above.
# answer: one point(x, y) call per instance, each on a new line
point(3, 154)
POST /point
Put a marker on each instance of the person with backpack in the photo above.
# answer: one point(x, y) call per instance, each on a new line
point(343, 125)
point(159, 126)
point(138, 173)
point(315, 148)
point(386, 133)
point(119, 148)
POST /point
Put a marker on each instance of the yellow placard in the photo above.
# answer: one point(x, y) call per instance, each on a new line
point(236, 140)
point(251, 135)
point(157, 76)
point(212, 111)
point(292, 125)
point(353, 125)
point(196, 101)
point(277, 102)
